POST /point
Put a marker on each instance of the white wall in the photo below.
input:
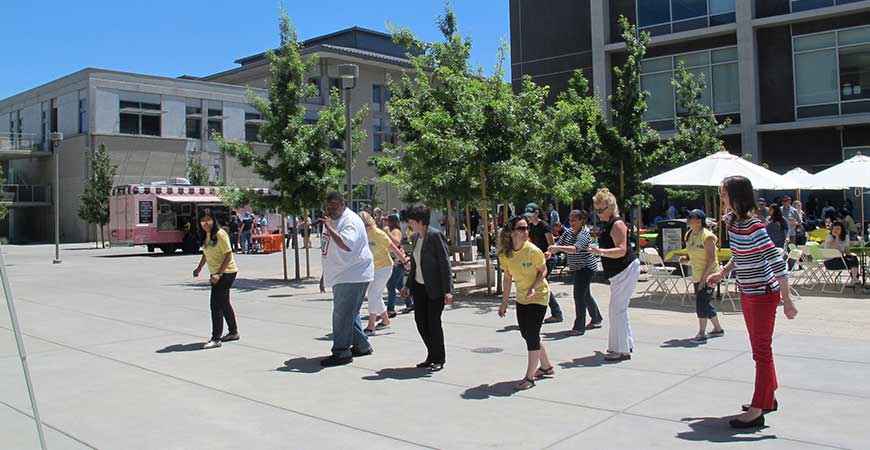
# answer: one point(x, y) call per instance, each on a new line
point(68, 113)
point(172, 122)
point(105, 111)
point(234, 122)
point(31, 120)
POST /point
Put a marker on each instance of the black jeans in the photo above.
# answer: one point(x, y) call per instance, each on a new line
point(704, 301)
point(221, 308)
point(530, 317)
point(427, 314)
point(555, 309)
point(583, 300)
point(837, 264)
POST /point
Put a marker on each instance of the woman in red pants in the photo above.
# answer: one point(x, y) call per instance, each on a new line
point(761, 277)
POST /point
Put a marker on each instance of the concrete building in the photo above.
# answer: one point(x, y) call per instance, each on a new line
point(152, 126)
point(793, 75)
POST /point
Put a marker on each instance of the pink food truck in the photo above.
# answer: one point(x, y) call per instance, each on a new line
point(162, 216)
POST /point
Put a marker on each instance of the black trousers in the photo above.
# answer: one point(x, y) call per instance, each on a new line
point(221, 308)
point(530, 317)
point(583, 300)
point(704, 301)
point(427, 314)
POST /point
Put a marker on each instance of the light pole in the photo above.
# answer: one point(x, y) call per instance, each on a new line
point(348, 73)
point(56, 139)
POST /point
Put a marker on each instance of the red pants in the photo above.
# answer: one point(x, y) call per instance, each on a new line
point(759, 312)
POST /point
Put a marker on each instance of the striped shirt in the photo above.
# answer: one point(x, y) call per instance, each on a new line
point(581, 259)
point(758, 262)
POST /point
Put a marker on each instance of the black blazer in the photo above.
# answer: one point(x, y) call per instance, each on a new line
point(434, 263)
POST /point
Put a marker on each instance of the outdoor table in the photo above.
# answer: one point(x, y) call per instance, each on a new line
point(646, 238)
point(723, 254)
point(862, 253)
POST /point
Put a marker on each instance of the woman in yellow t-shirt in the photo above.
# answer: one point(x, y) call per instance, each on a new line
point(520, 260)
point(381, 246)
point(701, 246)
point(218, 254)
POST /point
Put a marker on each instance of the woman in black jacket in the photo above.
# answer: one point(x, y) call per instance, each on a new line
point(430, 282)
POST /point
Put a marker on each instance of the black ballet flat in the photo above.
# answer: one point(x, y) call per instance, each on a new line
point(758, 422)
point(763, 411)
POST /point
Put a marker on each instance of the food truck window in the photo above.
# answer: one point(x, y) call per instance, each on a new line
point(167, 219)
point(146, 212)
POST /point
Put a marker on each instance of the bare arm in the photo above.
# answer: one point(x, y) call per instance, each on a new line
point(710, 257)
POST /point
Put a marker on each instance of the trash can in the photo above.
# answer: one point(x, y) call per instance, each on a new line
point(672, 236)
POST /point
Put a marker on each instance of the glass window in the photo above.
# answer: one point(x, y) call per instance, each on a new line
point(334, 83)
point(803, 5)
point(724, 55)
point(377, 138)
point(855, 72)
point(816, 77)
point(656, 64)
point(150, 125)
point(83, 115)
point(816, 41)
point(660, 104)
point(252, 127)
point(215, 121)
point(139, 118)
point(129, 123)
point(653, 12)
point(854, 36)
point(721, 6)
point(693, 59)
point(687, 9)
point(193, 124)
point(726, 88)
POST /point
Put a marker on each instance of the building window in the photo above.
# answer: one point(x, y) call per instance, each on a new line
point(803, 5)
point(140, 118)
point(252, 126)
point(659, 17)
point(721, 93)
point(44, 125)
point(193, 119)
point(381, 134)
point(334, 83)
point(215, 120)
point(83, 115)
point(832, 73)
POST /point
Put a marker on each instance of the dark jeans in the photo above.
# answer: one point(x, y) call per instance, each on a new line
point(427, 314)
point(395, 284)
point(234, 241)
point(583, 300)
point(221, 308)
point(837, 264)
point(555, 309)
point(704, 301)
point(530, 317)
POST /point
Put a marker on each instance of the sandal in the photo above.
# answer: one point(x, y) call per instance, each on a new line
point(542, 372)
point(524, 385)
point(576, 333)
point(617, 356)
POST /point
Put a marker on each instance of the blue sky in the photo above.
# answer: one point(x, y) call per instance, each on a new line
point(46, 39)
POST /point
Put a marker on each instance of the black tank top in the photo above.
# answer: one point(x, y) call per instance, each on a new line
point(613, 266)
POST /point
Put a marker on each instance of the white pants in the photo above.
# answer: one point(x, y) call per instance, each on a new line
point(376, 290)
point(621, 289)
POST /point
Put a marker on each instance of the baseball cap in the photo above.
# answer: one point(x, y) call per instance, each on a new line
point(531, 209)
point(697, 214)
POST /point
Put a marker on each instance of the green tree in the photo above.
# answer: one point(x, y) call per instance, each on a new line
point(197, 173)
point(299, 163)
point(94, 207)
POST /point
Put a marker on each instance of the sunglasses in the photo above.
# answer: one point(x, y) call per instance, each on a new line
point(521, 229)
point(601, 210)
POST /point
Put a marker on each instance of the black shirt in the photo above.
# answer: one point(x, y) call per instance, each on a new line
point(234, 226)
point(613, 266)
point(538, 234)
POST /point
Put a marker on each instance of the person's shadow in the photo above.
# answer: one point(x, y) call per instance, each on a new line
point(508, 328)
point(181, 348)
point(485, 391)
point(556, 335)
point(399, 373)
point(301, 365)
point(717, 430)
point(595, 360)
point(679, 343)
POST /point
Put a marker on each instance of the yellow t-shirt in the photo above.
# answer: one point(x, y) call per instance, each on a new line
point(214, 255)
point(697, 254)
point(523, 266)
point(379, 244)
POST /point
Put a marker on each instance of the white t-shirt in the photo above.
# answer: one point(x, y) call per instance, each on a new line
point(354, 266)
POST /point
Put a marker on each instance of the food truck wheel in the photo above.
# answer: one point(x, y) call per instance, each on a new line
point(150, 249)
point(168, 248)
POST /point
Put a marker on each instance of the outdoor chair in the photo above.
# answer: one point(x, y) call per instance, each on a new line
point(795, 273)
point(662, 278)
point(813, 267)
point(833, 276)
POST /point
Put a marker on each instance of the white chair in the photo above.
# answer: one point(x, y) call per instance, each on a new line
point(795, 273)
point(730, 291)
point(662, 277)
point(813, 267)
point(833, 276)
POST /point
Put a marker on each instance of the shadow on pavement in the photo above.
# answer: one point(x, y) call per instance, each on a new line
point(484, 305)
point(302, 365)
point(485, 391)
point(508, 328)
point(327, 337)
point(146, 255)
point(556, 335)
point(399, 373)
point(181, 348)
point(679, 343)
point(717, 430)
point(596, 360)
point(654, 302)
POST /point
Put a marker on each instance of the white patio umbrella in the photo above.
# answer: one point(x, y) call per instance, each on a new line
point(801, 176)
point(711, 170)
point(851, 173)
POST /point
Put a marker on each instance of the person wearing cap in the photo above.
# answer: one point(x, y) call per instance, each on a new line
point(763, 212)
point(701, 246)
point(541, 235)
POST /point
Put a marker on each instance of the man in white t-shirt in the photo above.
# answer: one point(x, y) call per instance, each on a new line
point(348, 268)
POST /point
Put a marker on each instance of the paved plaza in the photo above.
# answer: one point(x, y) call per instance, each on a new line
point(113, 338)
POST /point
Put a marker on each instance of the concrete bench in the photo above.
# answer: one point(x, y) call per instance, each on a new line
point(465, 273)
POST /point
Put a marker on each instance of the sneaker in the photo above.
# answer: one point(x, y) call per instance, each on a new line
point(391, 314)
point(357, 353)
point(369, 332)
point(382, 326)
point(213, 343)
point(699, 339)
point(333, 361)
point(230, 337)
point(424, 364)
point(553, 319)
point(716, 333)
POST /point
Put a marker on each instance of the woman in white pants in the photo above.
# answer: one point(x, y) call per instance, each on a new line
point(621, 268)
point(383, 249)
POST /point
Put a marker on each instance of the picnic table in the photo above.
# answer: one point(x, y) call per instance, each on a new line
point(862, 253)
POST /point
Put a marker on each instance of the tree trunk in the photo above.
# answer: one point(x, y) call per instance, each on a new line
point(469, 233)
point(450, 232)
point(485, 230)
point(284, 247)
point(296, 248)
point(505, 211)
point(307, 246)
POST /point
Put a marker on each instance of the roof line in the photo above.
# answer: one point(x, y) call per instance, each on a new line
point(317, 38)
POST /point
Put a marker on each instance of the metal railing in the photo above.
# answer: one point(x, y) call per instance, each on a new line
point(18, 142)
point(25, 193)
